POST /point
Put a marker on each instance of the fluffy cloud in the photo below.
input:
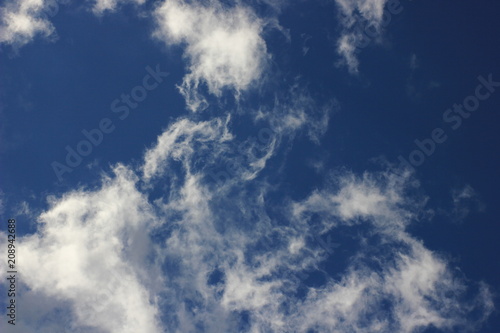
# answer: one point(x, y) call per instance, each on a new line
point(22, 20)
point(92, 254)
point(223, 44)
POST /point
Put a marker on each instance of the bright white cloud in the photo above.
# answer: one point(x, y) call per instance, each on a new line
point(91, 252)
point(224, 46)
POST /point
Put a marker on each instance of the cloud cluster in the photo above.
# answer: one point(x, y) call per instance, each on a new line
point(161, 247)
point(21, 21)
point(199, 257)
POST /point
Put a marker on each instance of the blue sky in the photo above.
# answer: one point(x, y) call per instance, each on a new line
point(260, 166)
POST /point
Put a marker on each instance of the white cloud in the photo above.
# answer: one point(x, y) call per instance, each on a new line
point(361, 22)
point(346, 47)
point(22, 21)
point(294, 110)
point(408, 295)
point(91, 253)
point(101, 6)
point(465, 193)
point(177, 143)
point(418, 288)
point(224, 46)
point(371, 10)
point(392, 283)
point(188, 142)
point(380, 201)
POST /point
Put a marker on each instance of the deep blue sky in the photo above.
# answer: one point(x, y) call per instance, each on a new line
point(53, 88)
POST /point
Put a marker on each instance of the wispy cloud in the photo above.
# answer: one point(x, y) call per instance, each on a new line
point(361, 22)
point(391, 267)
point(465, 201)
point(178, 143)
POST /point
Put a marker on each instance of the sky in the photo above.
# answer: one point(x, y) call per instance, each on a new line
point(250, 166)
